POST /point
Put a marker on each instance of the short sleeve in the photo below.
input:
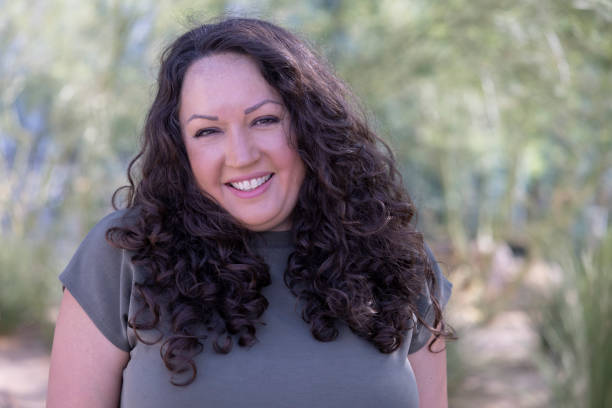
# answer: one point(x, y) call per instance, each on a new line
point(420, 334)
point(100, 278)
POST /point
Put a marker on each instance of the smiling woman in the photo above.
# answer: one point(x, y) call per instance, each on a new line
point(240, 151)
point(264, 212)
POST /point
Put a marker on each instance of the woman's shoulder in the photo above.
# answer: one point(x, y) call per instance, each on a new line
point(118, 218)
point(95, 249)
point(441, 290)
point(443, 287)
point(100, 277)
point(96, 237)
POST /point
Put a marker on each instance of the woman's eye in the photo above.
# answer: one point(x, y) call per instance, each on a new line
point(266, 120)
point(205, 132)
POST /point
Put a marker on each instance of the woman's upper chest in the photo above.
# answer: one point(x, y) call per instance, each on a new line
point(287, 367)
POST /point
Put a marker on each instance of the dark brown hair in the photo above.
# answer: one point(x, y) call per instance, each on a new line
point(358, 257)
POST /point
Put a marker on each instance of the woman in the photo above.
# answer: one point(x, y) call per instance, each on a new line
point(261, 195)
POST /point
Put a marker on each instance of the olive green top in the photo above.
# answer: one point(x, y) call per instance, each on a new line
point(287, 367)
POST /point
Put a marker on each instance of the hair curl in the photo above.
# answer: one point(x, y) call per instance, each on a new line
point(202, 271)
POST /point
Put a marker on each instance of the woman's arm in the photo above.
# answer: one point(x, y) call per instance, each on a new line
point(86, 368)
point(430, 372)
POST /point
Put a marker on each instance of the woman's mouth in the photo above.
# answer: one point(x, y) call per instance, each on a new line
point(252, 184)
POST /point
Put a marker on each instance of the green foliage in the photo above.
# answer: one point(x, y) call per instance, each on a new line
point(455, 367)
point(576, 328)
point(25, 287)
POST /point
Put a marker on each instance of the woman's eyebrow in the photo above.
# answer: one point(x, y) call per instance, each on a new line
point(196, 116)
point(246, 111)
point(258, 105)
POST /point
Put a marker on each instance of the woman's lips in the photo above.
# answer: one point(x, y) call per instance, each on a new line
point(250, 184)
point(242, 189)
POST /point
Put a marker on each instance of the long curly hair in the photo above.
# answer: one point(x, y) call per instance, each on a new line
point(358, 257)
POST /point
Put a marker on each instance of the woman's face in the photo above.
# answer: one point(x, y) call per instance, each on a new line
point(236, 131)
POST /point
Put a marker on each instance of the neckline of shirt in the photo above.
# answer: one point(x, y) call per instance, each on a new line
point(275, 239)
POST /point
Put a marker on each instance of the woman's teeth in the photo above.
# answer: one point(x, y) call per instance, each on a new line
point(248, 185)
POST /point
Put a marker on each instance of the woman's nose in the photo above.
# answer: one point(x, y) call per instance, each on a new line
point(241, 149)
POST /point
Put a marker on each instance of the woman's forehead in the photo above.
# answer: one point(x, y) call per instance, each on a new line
point(222, 81)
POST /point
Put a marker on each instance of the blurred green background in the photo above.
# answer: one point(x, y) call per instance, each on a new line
point(499, 111)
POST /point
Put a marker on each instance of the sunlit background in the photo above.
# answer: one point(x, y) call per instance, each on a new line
point(500, 112)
